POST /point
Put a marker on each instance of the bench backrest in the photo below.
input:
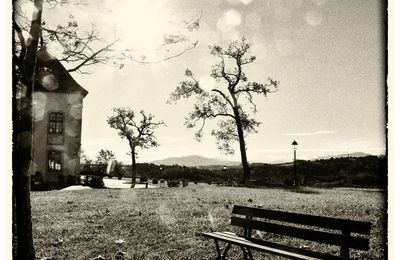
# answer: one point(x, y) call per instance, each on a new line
point(276, 222)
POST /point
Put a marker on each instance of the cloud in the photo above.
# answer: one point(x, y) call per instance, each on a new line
point(321, 132)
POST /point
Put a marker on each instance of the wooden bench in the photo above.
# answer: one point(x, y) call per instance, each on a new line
point(293, 227)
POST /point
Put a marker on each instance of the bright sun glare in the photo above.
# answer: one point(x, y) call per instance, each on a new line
point(141, 24)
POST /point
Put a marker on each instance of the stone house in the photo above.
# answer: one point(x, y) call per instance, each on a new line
point(58, 103)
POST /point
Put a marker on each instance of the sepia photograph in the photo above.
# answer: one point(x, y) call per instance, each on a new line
point(198, 129)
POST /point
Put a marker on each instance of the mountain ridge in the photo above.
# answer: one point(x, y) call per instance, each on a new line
point(194, 160)
point(199, 161)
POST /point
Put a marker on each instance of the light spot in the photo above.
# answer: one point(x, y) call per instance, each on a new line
point(35, 12)
point(34, 167)
point(75, 111)
point(21, 91)
point(236, 2)
point(70, 130)
point(74, 98)
point(70, 163)
point(55, 49)
point(165, 215)
point(313, 18)
point(253, 21)
point(229, 20)
point(39, 105)
point(211, 219)
point(49, 82)
point(233, 17)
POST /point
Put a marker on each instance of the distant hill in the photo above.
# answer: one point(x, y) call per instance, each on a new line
point(346, 155)
point(194, 161)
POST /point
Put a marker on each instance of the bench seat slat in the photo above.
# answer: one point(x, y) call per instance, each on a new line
point(305, 219)
point(273, 248)
point(307, 234)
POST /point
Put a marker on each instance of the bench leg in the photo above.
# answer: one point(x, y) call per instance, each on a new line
point(226, 251)
point(246, 253)
point(250, 254)
point(218, 250)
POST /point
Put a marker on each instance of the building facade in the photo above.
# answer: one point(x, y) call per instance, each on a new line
point(58, 107)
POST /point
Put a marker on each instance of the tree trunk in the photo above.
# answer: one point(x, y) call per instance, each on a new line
point(133, 168)
point(242, 144)
point(22, 143)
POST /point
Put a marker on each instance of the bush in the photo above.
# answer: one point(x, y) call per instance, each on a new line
point(71, 180)
point(185, 183)
point(155, 181)
point(287, 183)
point(95, 182)
point(173, 184)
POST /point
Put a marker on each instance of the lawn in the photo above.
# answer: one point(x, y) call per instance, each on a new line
point(167, 223)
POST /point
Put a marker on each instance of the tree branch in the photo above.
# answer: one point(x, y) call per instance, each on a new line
point(166, 58)
point(91, 57)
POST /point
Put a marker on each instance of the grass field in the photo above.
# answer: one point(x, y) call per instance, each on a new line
point(166, 223)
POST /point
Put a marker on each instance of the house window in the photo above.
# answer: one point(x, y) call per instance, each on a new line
point(56, 123)
point(54, 160)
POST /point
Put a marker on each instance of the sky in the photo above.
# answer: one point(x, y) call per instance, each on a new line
point(328, 56)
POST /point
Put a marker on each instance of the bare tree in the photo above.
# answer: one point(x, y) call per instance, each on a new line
point(227, 102)
point(30, 35)
point(139, 132)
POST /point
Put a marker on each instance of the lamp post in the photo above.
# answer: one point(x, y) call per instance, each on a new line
point(294, 162)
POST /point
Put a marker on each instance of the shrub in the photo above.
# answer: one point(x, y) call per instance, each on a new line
point(95, 182)
point(71, 180)
point(173, 184)
point(155, 181)
point(185, 183)
point(288, 182)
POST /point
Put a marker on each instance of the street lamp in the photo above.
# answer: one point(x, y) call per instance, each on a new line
point(294, 162)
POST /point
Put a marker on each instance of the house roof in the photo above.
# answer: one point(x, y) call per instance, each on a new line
point(52, 76)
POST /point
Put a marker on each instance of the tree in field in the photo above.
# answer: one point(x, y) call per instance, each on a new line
point(105, 156)
point(138, 131)
point(80, 49)
point(84, 158)
point(119, 170)
point(228, 101)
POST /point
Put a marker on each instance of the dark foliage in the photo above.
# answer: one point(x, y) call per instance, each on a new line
point(173, 184)
point(370, 171)
point(95, 182)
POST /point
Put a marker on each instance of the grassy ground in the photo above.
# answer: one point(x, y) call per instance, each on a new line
point(166, 223)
